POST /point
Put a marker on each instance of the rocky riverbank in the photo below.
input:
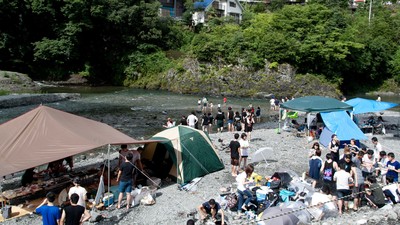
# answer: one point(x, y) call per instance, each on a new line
point(14, 100)
point(289, 153)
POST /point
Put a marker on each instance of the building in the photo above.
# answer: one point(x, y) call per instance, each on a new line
point(222, 8)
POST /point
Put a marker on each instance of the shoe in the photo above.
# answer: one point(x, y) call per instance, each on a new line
point(244, 207)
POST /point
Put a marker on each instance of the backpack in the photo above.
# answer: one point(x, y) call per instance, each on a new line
point(231, 200)
point(238, 126)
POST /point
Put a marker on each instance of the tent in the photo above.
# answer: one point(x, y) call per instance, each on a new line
point(361, 105)
point(46, 134)
point(183, 152)
point(316, 104)
point(342, 125)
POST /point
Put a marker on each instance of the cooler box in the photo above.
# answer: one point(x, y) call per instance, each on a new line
point(115, 191)
point(261, 195)
point(108, 199)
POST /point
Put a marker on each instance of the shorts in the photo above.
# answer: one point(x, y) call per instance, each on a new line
point(230, 121)
point(343, 194)
point(125, 186)
point(248, 129)
point(358, 191)
point(220, 123)
point(234, 161)
point(244, 156)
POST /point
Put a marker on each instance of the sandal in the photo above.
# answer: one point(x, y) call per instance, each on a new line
point(214, 220)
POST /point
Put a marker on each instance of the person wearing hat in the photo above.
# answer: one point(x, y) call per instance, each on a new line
point(80, 191)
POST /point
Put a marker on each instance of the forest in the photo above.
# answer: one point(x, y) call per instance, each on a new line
point(126, 42)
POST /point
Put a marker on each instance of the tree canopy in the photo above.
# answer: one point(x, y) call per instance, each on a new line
point(116, 42)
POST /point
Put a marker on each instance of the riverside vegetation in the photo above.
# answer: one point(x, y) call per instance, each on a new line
point(322, 47)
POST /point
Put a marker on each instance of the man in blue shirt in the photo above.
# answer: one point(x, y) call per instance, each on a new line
point(211, 207)
point(50, 214)
point(393, 167)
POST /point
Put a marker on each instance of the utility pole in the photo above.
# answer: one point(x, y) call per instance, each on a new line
point(369, 14)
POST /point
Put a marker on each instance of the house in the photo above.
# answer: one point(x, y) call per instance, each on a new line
point(171, 8)
point(223, 8)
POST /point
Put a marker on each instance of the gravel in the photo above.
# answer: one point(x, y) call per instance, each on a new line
point(289, 153)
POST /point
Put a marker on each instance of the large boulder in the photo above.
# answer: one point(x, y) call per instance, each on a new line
point(12, 82)
point(235, 80)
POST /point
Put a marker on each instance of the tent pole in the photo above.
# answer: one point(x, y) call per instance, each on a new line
point(279, 121)
point(108, 170)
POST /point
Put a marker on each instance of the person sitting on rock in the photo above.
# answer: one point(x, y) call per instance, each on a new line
point(211, 208)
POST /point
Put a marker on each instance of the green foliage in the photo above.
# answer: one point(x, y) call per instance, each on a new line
point(273, 65)
point(220, 44)
point(115, 42)
point(390, 85)
point(395, 66)
point(142, 66)
point(3, 92)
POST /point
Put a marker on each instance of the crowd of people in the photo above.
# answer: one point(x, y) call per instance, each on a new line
point(366, 176)
point(233, 121)
point(349, 173)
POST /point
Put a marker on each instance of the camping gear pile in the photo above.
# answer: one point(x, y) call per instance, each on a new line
point(282, 193)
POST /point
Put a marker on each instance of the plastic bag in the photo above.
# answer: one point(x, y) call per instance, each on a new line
point(148, 200)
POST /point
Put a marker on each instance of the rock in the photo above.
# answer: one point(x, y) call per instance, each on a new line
point(391, 215)
point(16, 82)
point(9, 101)
point(362, 222)
point(374, 219)
point(396, 209)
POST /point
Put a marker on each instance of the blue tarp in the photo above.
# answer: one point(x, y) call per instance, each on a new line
point(325, 137)
point(340, 123)
point(361, 105)
point(202, 4)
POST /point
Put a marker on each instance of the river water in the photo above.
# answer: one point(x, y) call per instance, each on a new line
point(136, 112)
point(141, 113)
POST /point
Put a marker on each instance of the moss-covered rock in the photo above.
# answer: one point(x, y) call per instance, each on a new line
point(13, 82)
point(189, 76)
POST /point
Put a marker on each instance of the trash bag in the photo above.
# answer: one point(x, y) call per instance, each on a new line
point(231, 200)
point(284, 178)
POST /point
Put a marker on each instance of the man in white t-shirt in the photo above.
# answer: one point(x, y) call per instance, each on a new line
point(343, 191)
point(192, 120)
point(391, 191)
point(81, 191)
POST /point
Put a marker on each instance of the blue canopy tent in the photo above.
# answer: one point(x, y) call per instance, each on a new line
point(340, 123)
point(362, 105)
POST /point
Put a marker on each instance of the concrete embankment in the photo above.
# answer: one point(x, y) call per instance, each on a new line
point(9, 101)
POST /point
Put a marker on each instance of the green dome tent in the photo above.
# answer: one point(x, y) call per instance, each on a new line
point(184, 153)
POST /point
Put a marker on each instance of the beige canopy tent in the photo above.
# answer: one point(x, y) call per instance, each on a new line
point(44, 134)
